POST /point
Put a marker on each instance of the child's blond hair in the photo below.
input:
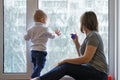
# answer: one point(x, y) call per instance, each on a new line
point(38, 15)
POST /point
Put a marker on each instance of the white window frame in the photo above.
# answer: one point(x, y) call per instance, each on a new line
point(113, 39)
point(31, 6)
point(118, 31)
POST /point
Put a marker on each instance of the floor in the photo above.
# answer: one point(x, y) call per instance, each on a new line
point(67, 78)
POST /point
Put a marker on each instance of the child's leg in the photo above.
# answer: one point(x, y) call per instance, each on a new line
point(33, 59)
point(40, 62)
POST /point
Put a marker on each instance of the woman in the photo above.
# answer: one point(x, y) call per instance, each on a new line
point(91, 62)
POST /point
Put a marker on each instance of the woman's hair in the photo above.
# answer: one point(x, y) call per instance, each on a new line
point(38, 15)
point(89, 21)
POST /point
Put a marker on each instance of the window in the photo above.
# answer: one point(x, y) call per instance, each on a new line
point(14, 29)
point(65, 15)
point(14, 18)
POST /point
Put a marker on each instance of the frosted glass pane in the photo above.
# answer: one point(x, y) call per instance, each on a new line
point(14, 29)
point(65, 15)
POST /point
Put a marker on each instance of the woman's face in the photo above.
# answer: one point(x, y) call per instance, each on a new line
point(84, 30)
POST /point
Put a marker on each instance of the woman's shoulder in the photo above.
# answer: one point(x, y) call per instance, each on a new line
point(93, 34)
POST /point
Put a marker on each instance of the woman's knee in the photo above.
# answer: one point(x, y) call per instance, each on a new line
point(64, 67)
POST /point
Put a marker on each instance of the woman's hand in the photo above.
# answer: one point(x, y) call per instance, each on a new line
point(76, 42)
point(62, 62)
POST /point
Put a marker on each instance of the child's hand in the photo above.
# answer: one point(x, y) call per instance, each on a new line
point(57, 32)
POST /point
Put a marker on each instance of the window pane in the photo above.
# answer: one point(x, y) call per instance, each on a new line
point(65, 15)
point(14, 29)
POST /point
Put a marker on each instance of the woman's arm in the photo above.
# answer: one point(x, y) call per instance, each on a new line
point(77, 44)
point(88, 55)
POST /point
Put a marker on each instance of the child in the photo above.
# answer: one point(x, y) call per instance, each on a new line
point(39, 35)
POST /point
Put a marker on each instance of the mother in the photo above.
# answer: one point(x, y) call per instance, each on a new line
point(91, 62)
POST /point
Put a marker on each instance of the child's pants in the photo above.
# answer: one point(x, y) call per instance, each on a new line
point(38, 60)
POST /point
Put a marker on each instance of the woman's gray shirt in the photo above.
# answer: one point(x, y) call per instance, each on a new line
point(98, 61)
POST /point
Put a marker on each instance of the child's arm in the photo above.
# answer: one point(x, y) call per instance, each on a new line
point(27, 36)
point(52, 35)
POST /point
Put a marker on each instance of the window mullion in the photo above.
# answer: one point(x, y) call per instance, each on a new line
point(32, 5)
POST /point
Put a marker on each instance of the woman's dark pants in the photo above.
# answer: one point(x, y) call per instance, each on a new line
point(78, 72)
